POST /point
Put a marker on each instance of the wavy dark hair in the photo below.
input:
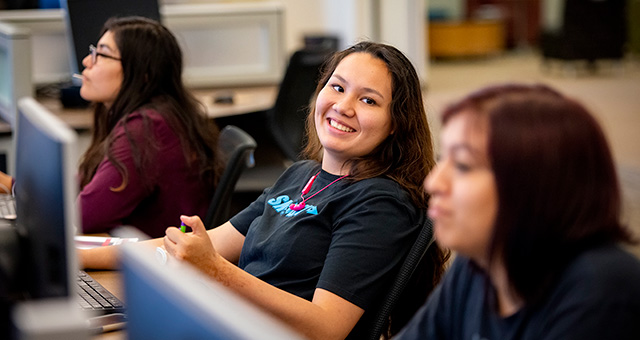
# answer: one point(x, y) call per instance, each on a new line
point(152, 79)
point(557, 186)
point(405, 156)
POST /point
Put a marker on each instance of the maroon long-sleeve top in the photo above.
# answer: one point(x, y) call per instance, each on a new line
point(172, 187)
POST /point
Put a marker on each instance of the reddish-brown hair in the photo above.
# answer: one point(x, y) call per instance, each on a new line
point(557, 186)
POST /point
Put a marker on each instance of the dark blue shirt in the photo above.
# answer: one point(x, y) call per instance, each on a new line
point(597, 297)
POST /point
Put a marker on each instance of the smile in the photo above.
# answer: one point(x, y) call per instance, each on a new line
point(339, 126)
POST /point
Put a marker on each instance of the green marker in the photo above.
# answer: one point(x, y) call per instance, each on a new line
point(183, 227)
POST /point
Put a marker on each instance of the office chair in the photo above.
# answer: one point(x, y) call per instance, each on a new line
point(402, 280)
point(590, 30)
point(236, 147)
point(287, 118)
point(285, 122)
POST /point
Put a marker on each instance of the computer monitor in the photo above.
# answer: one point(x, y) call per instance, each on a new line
point(37, 253)
point(45, 194)
point(85, 18)
point(15, 81)
point(175, 301)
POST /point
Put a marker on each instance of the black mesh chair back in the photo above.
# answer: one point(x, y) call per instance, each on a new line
point(236, 147)
point(287, 118)
point(590, 30)
point(406, 272)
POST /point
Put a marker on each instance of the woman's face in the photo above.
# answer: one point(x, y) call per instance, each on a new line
point(102, 80)
point(463, 202)
point(352, 113)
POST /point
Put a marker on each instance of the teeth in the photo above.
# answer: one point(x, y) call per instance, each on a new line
point(340, 126)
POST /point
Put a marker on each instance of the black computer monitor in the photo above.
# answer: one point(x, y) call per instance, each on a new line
point(45, 194)
point(85, 18)
point(37, 253)
point(175, 301)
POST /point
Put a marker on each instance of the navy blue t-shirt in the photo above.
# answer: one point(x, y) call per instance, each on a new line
point(597, 297)
point(350, 238)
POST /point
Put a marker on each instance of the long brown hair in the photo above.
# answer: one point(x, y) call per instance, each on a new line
point(406, 156)
point(152, 79)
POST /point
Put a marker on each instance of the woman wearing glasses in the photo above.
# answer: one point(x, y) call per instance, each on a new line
point(152, 154)
point(320, 248)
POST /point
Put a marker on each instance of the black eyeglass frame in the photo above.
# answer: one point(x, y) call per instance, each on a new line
point(93, 52)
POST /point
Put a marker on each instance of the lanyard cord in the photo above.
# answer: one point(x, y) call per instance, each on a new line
point(307, 188)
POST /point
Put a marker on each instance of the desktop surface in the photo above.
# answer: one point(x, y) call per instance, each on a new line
point(243, 100)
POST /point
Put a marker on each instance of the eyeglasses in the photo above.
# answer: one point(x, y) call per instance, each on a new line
point(94, 55)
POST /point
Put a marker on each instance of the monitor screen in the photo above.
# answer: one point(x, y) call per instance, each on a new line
point(175, 301)
point(15, 71)
point(85, 18)
point(45, 193)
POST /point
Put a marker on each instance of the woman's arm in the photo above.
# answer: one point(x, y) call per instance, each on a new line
point(227, 239)
point(327, 316)
point(6, 183)
point(107, 257)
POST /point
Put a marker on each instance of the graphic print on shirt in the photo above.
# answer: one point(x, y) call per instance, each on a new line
point(282, 203)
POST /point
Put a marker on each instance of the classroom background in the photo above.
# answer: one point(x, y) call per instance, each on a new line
point(460, 45)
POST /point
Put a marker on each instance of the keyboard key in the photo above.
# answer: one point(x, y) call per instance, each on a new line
point(94, 296)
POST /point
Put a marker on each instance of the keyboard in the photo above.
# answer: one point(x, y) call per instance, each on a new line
point(7, 207)
point(94, 297)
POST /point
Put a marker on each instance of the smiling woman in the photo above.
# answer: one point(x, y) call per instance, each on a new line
point(352, 114)
point(320, 248)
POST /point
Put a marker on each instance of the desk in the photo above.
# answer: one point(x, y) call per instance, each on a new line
point(245, 100)
point(112, 281)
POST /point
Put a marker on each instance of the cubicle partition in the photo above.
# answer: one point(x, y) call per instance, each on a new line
point(229, 44)
point(49, 48)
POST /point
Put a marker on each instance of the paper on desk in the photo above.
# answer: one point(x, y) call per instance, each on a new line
point(88, 242)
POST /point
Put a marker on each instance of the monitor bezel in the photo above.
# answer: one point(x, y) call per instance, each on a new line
point(175, 299)
point(54, 129)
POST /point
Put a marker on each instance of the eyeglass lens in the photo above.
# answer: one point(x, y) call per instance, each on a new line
point(94, 53)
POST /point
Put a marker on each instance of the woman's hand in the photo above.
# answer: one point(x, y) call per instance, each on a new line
point(195, 247)
point(6, 183)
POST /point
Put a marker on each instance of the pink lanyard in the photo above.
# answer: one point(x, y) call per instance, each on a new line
point(307, 188)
